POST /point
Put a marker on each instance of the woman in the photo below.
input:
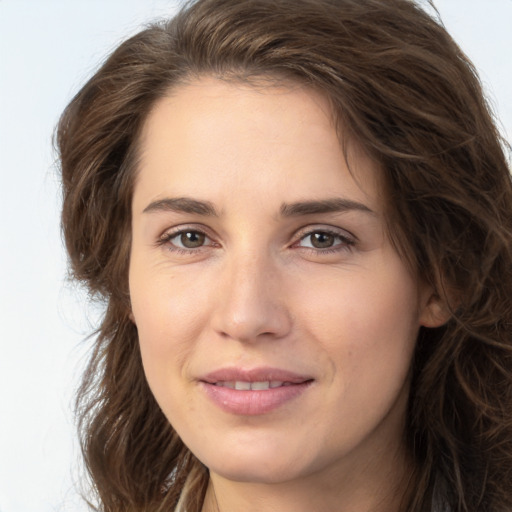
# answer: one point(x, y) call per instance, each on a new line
point(298, 213)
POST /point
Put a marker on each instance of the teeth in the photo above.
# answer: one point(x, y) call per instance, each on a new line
point(260, 385)
point(257, 386)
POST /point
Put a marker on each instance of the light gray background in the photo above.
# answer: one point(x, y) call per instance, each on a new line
point(47, 50)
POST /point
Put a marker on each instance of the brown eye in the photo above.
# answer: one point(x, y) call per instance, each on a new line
point(191, 239)
point(186, 241)
point(321, 240)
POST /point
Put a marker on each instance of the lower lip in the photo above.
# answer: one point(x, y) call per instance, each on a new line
point(253, 402)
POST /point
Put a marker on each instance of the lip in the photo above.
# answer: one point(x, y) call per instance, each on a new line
point(253, 402)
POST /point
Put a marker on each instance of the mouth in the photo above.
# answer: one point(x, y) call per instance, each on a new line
point(242, 385)
point(253, 392)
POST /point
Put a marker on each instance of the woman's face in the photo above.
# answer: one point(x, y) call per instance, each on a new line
point(276, 321)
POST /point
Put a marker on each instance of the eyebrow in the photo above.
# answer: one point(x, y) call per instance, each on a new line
point(334, 205)
point(206, 208)
point(182, 205)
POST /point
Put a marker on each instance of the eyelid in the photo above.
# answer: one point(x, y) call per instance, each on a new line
point(346, 237)
point(170, 233)
point(345, 242)
point(323, 228)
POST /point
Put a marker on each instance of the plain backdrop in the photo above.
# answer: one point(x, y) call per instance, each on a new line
point(48, 48)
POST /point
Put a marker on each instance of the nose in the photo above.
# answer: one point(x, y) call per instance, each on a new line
point(251, 303)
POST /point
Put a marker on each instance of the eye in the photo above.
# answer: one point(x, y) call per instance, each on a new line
point(185, 240)
point(320, 240)
point(325, 240)
point(189, 239)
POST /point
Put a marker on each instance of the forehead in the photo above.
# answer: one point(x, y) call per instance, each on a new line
point(281, 136)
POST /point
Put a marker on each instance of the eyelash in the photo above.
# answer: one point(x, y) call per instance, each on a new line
point(167, 240)
point(346, 241)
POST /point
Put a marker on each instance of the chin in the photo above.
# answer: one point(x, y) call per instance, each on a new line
point(260, 462)
point(257, 472)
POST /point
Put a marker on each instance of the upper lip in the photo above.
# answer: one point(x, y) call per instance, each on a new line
point(263, 374)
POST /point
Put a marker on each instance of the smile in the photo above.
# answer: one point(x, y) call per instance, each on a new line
point(253, 392)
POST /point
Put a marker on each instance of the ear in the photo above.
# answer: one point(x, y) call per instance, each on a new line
point(131, 315)
point(435, 311)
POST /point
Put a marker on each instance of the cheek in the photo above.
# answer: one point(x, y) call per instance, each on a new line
point(367, 322)
point(168, 325)
point(169, 319)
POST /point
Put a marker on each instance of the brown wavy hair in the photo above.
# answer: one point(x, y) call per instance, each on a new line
point(401, 89)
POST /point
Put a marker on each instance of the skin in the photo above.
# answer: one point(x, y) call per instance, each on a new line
point(256, 290)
